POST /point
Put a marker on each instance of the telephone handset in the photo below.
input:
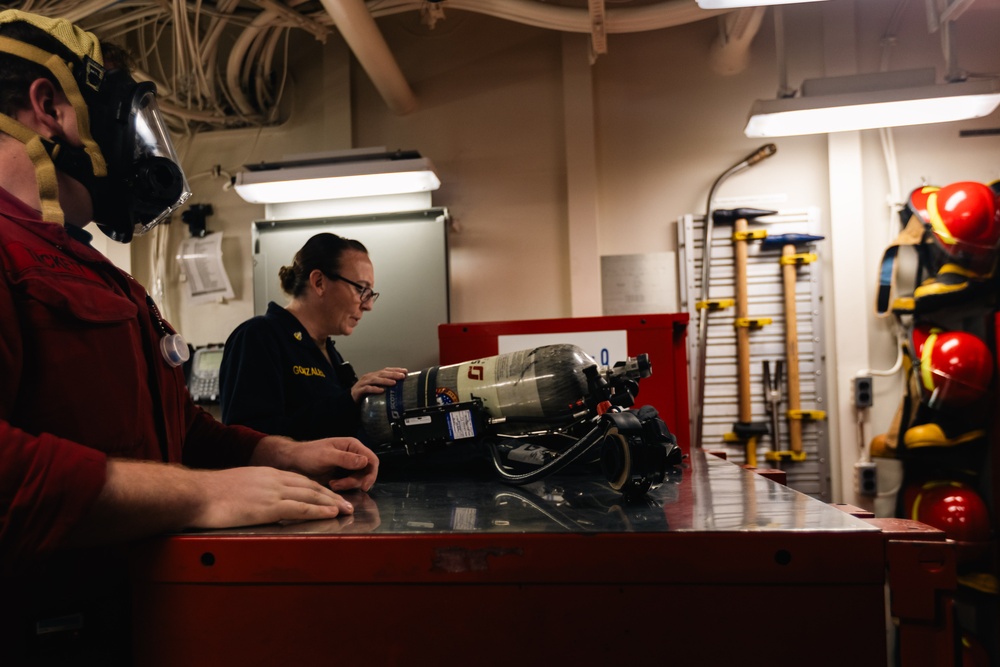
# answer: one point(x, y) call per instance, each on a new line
point(203, 379)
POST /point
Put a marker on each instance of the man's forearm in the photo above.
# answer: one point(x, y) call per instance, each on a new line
point(272, 451)
point(140, 499)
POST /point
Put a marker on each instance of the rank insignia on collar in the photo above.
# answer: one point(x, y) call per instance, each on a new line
point(298, 335)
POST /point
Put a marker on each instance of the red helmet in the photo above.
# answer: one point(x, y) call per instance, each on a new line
point(964, 217)
point(918, 202)
point(955, 367)
point(956, 509)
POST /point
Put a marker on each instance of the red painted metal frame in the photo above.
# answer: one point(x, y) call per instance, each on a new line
point(660, 336)
point(685, 598)
point(509, 558)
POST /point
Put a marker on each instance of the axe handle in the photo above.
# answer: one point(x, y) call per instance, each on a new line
point(741, 253)
point(790, 278)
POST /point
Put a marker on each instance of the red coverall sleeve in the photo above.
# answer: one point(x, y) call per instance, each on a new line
point(214, 445)
point(47, 484)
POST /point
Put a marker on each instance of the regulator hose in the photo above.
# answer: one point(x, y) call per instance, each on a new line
point(567, 456)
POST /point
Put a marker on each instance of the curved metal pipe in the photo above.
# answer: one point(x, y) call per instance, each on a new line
point(762, 153)
point(358, 28)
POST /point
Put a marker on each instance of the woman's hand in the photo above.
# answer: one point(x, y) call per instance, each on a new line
point(376, 382)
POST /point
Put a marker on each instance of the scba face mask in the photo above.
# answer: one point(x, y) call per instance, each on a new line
point(145, 183)
point(127, 161)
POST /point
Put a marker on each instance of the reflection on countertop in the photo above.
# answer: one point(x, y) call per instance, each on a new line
point(706, 494)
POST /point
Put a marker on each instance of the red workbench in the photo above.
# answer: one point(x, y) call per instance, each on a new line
point(717, 566)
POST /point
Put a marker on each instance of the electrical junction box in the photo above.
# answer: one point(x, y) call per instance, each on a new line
point(863, 397)
point(865, 478)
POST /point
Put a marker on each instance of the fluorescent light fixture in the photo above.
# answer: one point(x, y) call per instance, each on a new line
point(336, 176)
point(734, 4)
point(867, 101)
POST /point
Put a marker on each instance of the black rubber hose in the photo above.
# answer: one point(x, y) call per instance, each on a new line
point(571, 454)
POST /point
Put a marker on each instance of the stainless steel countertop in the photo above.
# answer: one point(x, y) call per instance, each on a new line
point(706, 494)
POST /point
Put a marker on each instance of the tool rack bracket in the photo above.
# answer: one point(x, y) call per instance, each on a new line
point(799, 259)
point(752, 322)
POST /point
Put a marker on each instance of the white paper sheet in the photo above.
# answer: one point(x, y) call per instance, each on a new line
point(201, 266)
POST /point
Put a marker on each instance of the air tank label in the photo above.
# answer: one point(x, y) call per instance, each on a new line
point(478, 379)
point(460, 425)
point(422, 420)
point(505, 383)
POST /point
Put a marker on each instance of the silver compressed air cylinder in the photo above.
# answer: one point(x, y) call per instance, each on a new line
point(523, 389)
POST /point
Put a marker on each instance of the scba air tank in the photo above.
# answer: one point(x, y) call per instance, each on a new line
point(524, 387)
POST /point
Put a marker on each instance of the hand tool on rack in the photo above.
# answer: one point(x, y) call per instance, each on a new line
point(704, 305)
point(790, 261)
point(745, 429)
point(772, 402)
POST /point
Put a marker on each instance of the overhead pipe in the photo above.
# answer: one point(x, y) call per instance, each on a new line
point(598, 24)
point(667, 14)
point(358, 28)
point(730, 52)
point(356, 24)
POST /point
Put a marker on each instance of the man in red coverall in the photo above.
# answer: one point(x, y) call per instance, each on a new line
point(100, 443)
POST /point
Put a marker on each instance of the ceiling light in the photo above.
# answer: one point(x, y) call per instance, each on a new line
point(335, 176)
point(734, 4)
point(867, 101)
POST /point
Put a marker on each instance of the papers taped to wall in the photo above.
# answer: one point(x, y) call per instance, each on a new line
point(200, 260)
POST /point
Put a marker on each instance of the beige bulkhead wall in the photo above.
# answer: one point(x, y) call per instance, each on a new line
point(492, 117)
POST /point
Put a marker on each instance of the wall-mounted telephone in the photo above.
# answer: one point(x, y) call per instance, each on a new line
point(203, 378)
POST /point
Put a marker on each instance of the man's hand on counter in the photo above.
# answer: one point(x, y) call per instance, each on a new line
point(340, 463)
point(285, 481)
point(259, 495)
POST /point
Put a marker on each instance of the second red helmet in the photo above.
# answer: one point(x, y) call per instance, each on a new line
point(964, 217)
point(955, 367)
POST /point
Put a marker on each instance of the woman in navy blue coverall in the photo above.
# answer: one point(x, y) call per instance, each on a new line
point(281, 372)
